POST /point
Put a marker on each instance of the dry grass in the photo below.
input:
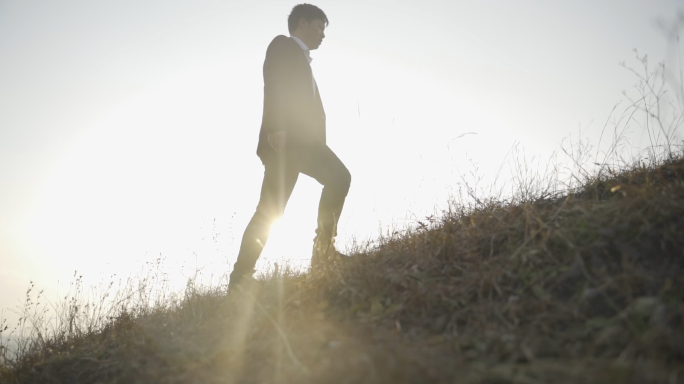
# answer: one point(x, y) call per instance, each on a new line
point(584, 288)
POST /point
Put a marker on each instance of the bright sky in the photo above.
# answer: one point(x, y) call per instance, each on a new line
point(128, 129)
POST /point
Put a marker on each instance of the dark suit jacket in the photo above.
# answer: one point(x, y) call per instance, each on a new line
point(289, 101)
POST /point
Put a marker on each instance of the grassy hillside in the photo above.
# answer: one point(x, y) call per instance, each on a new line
point(587, 287)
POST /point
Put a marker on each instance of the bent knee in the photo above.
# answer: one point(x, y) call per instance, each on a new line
point(344, 181)
point(347, 178)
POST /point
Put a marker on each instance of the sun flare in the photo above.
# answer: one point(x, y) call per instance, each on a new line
point(291, 238)
point(287, 244)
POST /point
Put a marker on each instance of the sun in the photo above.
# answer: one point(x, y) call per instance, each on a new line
point(292, 235)
point(287, 244)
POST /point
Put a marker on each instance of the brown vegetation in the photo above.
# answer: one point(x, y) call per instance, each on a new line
point(587, 288)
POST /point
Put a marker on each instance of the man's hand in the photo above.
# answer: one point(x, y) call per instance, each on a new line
point(277, 140)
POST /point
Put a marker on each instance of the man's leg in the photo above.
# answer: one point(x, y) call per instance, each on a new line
point(328, 169)
point(279, 180)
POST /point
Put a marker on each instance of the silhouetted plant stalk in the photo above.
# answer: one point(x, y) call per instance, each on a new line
point(655, 106)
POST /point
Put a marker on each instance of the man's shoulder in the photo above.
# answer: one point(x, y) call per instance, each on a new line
point(281, 40)
point(281, 46)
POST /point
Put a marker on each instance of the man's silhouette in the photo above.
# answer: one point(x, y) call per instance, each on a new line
point(292, 141)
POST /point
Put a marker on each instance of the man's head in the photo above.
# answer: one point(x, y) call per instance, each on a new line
point(307, 22)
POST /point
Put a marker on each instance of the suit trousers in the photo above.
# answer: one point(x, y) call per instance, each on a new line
point(280, 175)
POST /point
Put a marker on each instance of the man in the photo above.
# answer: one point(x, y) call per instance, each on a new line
point(292, 141)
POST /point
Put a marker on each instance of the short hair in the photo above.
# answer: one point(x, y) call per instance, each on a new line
point(308, 11)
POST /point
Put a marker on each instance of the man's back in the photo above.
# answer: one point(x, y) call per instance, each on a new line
point(292, 102)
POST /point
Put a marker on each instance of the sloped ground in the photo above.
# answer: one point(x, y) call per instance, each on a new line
point(587, 288)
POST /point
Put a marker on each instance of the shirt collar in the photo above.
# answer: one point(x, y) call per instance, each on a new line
point(303, 46)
